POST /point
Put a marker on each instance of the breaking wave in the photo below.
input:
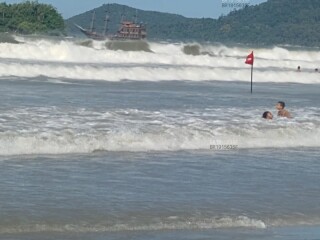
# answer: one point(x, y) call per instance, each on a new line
point(156, 224)
point(167, 224)
point(154, 62)
point(55, 131)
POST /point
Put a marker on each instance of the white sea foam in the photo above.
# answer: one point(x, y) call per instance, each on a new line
point(147, 73)
point(166, 62)
point(55, 131)
point(157, 225)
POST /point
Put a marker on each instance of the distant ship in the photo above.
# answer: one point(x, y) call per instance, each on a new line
point(129, 30)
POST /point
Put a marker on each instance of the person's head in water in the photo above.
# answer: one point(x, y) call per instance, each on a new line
point(316, 70)
point(267, 115)
point(298, 69)
point(280, 105)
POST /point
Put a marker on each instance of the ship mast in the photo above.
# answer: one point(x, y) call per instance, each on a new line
point(107, 20)
point(135, 20)
point(93, 21)
point(123, 15)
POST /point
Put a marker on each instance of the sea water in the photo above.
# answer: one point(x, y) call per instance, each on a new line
point(101, 144)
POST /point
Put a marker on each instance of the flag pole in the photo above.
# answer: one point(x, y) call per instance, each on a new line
point(250, 60)
point(251, 76)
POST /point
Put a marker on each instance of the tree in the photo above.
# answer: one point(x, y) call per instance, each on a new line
point(30, 17)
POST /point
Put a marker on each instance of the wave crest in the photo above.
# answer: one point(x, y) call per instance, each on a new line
point(168, 224)
point(154, 62)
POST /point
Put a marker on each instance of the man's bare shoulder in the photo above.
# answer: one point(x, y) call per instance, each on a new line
point(284, 113)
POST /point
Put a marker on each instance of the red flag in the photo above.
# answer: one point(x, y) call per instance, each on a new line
point(250, 59)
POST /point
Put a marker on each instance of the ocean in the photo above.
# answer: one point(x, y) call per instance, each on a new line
point(158, 140)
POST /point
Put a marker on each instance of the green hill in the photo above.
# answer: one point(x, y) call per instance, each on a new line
point(159, 25)
point(274, 22)
point(30, 17)
point(294, 22)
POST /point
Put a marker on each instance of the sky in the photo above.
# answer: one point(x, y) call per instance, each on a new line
point(187, 8)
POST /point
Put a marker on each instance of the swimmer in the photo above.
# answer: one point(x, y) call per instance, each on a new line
point(281, 111)
point(267, 115)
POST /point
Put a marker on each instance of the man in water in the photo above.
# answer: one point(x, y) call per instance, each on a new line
point(267, 115)
point(281, 111)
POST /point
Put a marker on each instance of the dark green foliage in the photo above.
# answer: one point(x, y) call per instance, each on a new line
point(274, 22)
point(30, 17)
point(294, 22)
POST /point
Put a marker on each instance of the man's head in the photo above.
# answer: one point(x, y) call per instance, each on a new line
point(280, 106)
point(267, 115)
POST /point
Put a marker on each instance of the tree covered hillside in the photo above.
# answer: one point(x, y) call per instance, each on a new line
point(294, 22)
point(30, 17)
point(159, 25)
point(273, 22)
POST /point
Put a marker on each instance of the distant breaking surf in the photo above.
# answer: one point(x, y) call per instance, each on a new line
point(165, 61)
